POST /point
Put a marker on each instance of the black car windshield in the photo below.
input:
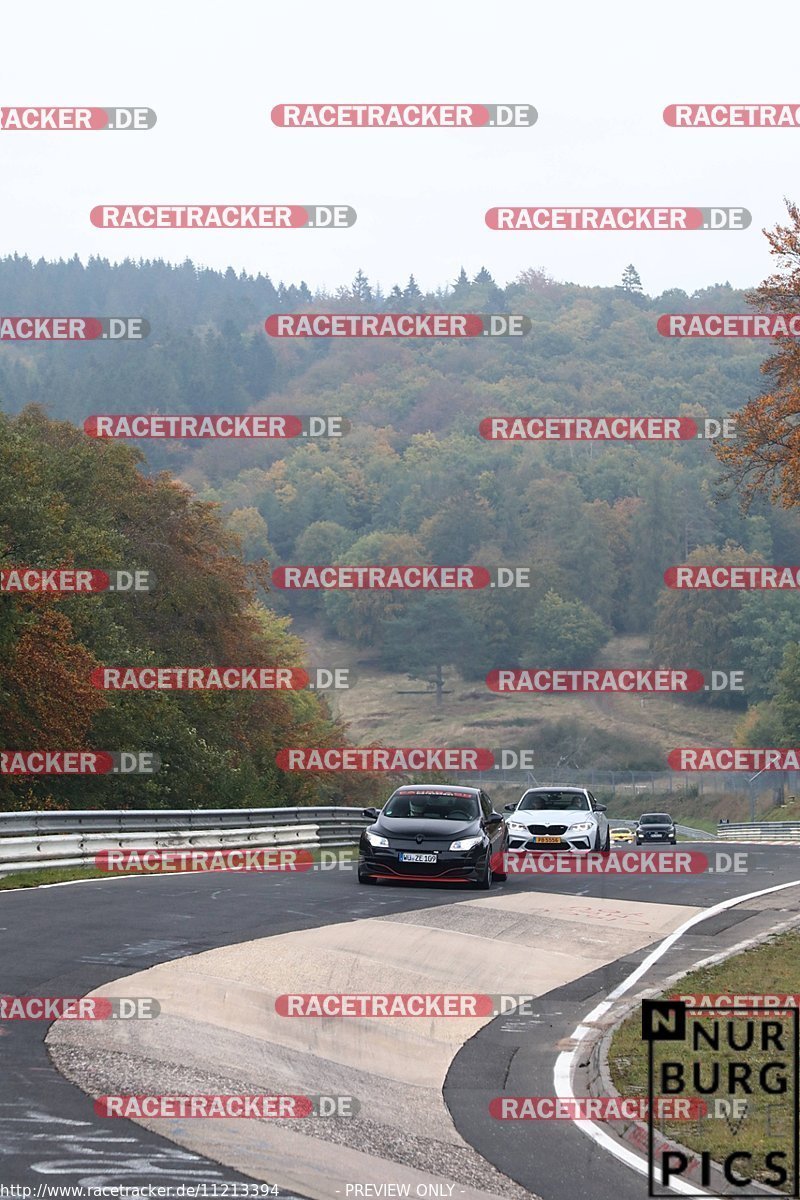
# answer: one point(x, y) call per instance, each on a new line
point(431, 806)
point(655, 819)
point(537, 801)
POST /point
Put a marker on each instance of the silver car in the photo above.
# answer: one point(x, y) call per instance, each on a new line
point(558, 818)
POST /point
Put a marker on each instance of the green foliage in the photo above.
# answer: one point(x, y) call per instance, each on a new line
point(766, 624)
point(696, 628)
point(563, 633)
point(597, 523)
point(78, 502)
point(787, 695)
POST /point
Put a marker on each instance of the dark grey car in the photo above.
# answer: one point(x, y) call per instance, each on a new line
point(656, 827)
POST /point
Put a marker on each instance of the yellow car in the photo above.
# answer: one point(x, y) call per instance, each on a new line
point(621, 834)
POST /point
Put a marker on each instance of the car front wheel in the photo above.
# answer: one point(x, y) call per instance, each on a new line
point(485, 881)
point(499, 859)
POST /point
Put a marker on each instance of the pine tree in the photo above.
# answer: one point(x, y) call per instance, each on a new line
point(631, 281)
point(362, 292)
point(483, 276)
point(462, 285)
point(411, 294)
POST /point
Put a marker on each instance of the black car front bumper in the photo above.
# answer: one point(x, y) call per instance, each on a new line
point(451, 866)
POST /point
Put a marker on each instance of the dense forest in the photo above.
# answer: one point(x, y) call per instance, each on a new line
point(413, 481)
point(68, 501)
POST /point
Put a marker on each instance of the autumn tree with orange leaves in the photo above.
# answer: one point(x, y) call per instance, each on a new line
point(66, 499)
point(765, 456)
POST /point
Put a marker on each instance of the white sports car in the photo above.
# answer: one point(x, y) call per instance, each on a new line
point(559, 818)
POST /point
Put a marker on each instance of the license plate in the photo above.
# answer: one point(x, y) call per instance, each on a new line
point(538, 839)
point(428, 858)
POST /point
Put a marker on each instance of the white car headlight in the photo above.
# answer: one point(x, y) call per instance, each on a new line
point(467, 843)
point(516, 827)
point(375, 839)
point(581, 827)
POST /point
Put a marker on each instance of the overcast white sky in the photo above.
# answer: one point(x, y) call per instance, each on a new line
point(599, 75)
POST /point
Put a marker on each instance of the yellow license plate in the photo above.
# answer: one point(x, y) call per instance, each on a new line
point(546, 839)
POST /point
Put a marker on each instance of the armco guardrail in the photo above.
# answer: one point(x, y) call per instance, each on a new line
point(700, 835)
point(760, 831)
point(32, 840)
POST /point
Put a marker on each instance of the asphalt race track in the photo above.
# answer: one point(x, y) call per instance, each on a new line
point(70, 939)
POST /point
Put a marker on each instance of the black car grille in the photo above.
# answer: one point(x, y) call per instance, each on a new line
point(547, 829)
point(428, 846)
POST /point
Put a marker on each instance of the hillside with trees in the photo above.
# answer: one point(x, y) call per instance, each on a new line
point(68, 501)
point(413, 481)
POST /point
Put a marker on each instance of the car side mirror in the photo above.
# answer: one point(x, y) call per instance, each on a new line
point(495, 816)
point(601, 807)
point(509, 807)
point(369, 812)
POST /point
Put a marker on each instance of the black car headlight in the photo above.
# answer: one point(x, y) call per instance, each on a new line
point(467, 843)
point(375, 839)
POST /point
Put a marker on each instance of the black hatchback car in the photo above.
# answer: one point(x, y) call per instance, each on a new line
point(437, 834)
point(655, 827)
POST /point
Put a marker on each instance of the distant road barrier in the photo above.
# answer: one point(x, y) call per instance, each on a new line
point(30, 841)
point(760, 831)
point(701, 835)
